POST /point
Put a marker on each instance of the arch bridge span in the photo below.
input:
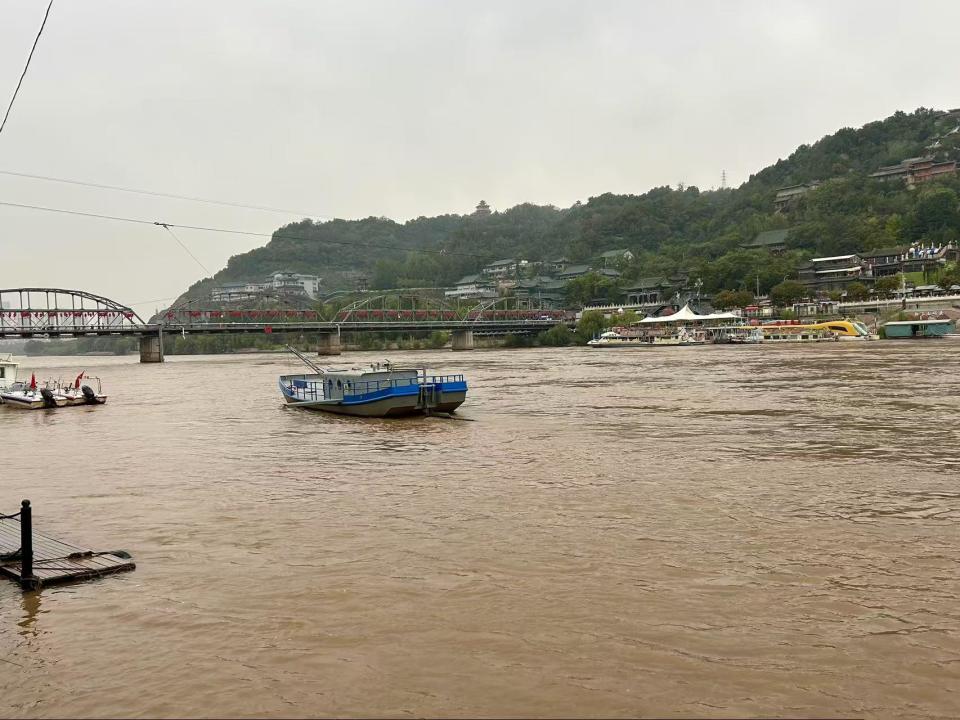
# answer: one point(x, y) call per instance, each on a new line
point(54, 312)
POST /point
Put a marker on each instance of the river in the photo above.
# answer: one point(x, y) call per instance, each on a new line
point(696, 532)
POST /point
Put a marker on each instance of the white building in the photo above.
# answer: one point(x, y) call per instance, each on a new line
point(281, 282)
point(286, 282)
point(472, 287)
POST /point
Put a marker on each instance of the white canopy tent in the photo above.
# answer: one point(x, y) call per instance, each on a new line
point(685, 314)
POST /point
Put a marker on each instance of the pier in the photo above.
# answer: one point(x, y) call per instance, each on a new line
point(35, 560)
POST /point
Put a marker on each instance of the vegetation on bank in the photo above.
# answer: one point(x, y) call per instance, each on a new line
point(667, 229)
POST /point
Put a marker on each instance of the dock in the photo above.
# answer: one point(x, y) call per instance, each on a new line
point(35, 560)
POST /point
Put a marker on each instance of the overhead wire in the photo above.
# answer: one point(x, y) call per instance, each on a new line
point(153, 193)
point(166, 227)
point(234, 231)
point(16, 91)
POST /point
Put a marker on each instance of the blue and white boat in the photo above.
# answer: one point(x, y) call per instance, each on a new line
point(379, 390)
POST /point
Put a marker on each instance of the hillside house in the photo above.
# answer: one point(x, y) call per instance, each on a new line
point(472, 287)
point(611, 258)
point(788, 196)
point(773, 240)
point(832, 273)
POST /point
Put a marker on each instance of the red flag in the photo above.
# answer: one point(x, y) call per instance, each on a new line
point(76, 383)
point(33, 381)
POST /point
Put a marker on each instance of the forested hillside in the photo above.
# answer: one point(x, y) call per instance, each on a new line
point(668, 229)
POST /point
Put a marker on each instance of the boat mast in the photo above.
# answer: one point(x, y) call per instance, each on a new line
point(306, 361)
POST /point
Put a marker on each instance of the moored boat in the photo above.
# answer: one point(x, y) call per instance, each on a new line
point(379, 390)
point(916, 329)
point(8, 371)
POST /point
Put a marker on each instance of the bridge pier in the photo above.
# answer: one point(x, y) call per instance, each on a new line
point(328, 344)
point(461, 340)
point(151, 348)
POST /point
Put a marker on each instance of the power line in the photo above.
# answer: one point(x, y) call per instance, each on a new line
point(248, 233)
point(25, 67)
point(166, 227)
point(152, 193)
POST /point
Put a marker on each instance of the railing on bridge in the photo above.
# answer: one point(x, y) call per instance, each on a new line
point(50, 311)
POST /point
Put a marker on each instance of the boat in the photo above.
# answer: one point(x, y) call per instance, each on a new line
point(24, 396)
point(378, 390)
point(914, 329)
point(735, 334)
point(620, 337)
point(831, 330)
point(77, 394)
point(8, 370)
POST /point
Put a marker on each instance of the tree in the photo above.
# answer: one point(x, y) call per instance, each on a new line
point(887, 285)
point(787, 293)
point(857, 291)
point(591, 324)
point(726, 299)
point(557, 336)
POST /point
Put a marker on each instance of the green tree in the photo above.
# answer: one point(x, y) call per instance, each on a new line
point(857, 291)
point(787, 293)
point(557, 336)
point(887, 285)
point(591, 324)
point(726, 299)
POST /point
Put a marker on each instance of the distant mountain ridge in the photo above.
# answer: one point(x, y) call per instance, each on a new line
point(667, 229)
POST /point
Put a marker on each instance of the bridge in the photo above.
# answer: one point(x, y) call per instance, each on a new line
point(54, 312)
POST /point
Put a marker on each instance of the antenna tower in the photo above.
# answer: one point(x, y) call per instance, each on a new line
point(723, 179)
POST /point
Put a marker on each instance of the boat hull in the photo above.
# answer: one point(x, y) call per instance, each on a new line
point(397, 402)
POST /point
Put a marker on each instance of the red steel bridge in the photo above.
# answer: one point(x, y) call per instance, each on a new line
point(53, 312)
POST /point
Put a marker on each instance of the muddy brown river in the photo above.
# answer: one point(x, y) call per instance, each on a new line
point(694, 532)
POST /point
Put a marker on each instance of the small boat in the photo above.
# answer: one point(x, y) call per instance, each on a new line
point(899, 329)
point(78, 394)
point(379, 390)
point(29, 397)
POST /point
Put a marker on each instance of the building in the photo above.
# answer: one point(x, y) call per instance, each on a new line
point(284, 282)
point(472, 287)
point(237, 292)
point(540, 293)
point(557, 265)
point(914, 171)
point(575, 271)
point(504, 268)
point(883, 261)
point(774, 241)
point(483, 210)
point(788, 196)
point(654, 290)
point(832, 273)
point(612, 257)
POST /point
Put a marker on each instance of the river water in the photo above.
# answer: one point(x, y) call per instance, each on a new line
point(709, 532)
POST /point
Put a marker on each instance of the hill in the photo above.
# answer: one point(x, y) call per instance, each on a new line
point(667, 229)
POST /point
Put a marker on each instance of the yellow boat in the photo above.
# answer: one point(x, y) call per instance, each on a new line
point(815, 332)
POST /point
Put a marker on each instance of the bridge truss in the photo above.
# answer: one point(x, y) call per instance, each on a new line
point(25, 312)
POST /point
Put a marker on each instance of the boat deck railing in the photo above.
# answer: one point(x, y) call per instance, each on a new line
point(314, 389)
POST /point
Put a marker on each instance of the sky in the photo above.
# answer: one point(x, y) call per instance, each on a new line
point(409, 108)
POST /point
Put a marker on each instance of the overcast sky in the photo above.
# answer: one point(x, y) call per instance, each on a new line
point(351, 109)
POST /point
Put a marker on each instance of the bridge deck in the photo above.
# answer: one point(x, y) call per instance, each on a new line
point(55, 561)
